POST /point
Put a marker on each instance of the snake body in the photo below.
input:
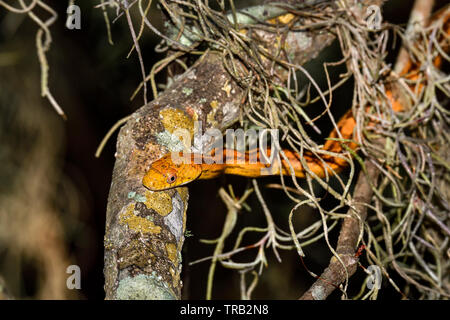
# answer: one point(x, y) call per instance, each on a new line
point(165, 173)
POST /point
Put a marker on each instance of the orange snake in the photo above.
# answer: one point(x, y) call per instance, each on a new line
point(166, 174)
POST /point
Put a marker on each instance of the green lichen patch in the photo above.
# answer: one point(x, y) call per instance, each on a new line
point(187, 91)
point(136, 196)
point(143, 287)
point(170, 141)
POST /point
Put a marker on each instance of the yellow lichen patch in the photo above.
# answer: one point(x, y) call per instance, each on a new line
point(214, 104)
point(211, 117)
point(136, 223)
point(184, 194)
point(173, 119)
point(175, 277)
point(284, 19)
point(161, 202)
point(227, 88)
point(172, 253)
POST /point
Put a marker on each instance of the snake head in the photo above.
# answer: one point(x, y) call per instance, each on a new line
point(165, 173)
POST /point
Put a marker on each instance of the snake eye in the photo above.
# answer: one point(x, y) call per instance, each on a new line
point(171, 178)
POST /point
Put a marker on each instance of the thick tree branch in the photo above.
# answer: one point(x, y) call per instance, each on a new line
point(335, 273)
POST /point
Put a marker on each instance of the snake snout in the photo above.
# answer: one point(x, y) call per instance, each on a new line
point(154, 180)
